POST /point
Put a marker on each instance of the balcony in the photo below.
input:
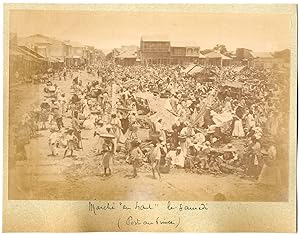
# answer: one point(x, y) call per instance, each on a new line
point(155, 49)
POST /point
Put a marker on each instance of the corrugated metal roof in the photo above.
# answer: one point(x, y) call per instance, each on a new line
point(37, 39)
point(213, 54)
point(26, 52)
point(31, 52)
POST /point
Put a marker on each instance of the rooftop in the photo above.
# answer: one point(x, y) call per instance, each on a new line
point(215, 54)
point(127, 52)
point(37, 38)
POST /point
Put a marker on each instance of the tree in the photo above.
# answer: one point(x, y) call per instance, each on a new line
point(221, 48)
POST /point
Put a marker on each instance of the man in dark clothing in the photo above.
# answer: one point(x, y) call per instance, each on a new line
point(207, 118)
point(75, 99)
point(58, 118)
point(124, 123)
point(45, 105)
point(177, 127)
point(65, 74)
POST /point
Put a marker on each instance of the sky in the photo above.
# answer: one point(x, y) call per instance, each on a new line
point(107, 30)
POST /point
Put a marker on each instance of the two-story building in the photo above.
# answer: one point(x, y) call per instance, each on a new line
point(182, 53)
point(75, 53)
point(24, 61)
point(48, 47)
point(192, 54)
point(178, 53)
point(155, 50)
point(160, 50)
point(89, 55)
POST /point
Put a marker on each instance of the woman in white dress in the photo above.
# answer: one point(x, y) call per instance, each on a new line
point(238, 130)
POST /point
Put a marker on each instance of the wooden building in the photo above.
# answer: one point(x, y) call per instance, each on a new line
point(128, 56)
point(217, 59)
point(261, 60)
point(155, 50)
point(178, 54)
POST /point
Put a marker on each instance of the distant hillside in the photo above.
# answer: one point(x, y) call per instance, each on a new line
point(284, 54)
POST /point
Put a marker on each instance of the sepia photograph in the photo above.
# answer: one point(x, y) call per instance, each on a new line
point(148, 105)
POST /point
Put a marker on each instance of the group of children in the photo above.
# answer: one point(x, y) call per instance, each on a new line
point(136, 155)
point(65, 139)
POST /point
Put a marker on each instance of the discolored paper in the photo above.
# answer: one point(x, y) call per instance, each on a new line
point(44, 194)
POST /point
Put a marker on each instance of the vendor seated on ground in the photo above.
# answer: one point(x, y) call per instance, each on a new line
point(220, 136)
point(177, 157)
point(192, 154)
point(205, 156)
point(230, 155)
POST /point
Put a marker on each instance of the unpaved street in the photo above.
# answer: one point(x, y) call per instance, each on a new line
point(81, 177)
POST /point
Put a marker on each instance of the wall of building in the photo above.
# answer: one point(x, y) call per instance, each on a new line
point(262, 63)
point(243, 53)
point(214, 61)
point(155, 46)
point(42, 51)
point(77, 51)
point(155, 52)
point(164, 53)
point(178, 51)
point(193, 51)
point(126, 61)
point(57, 50)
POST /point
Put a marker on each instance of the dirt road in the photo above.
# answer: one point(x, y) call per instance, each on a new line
point(44, 177)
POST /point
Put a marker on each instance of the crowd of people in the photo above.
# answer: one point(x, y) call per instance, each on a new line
point(202, 125)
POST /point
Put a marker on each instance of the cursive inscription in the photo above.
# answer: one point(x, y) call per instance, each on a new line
point(146, 208)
